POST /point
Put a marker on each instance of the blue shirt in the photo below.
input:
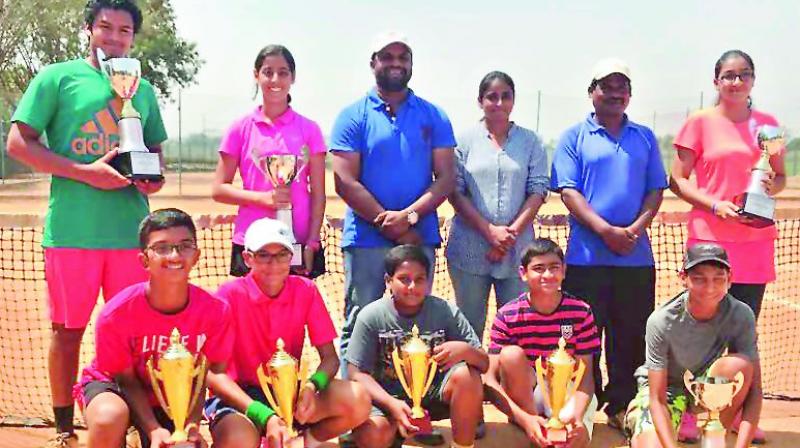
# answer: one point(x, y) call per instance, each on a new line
point(614, 175)
point(497, 182)
point(396, 160)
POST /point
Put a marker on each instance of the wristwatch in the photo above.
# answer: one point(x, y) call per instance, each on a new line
point(412, 217)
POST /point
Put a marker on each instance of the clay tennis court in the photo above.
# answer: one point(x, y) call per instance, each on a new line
point(24, 324)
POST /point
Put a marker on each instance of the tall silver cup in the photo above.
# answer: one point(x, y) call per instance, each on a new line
point(755, 203)
point(134, 160)
point(281, 169)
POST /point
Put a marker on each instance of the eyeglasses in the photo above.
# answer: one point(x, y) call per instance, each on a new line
point(184, 248)
point(263, 256)
point(608, 87)
point(730, 77)
point(494, 97)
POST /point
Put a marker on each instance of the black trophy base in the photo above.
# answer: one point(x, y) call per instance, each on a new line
point(759, 209)
point(138, 165)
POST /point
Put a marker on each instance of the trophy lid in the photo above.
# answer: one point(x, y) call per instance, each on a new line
point(281, 358)
point(560, 356)
point(415, 344)
point(176, 349)
point(771, 139)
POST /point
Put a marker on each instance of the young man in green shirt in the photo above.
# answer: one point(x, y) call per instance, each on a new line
point(90, 235)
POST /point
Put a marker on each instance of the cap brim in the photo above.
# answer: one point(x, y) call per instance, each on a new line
point(701, 260)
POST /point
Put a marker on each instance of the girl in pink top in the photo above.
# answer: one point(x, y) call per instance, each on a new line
point(273, 128)
point(720, 146)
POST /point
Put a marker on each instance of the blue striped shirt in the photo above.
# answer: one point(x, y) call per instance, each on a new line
point(497, 182)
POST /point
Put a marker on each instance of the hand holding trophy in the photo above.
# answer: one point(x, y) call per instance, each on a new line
point(713, 394)
point(281, 382)
point(554, 381)
point(755, 203)
point(415, 369)
point(183, 376)
point(134, 160)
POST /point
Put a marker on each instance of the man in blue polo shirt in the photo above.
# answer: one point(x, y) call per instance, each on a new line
point(393, 164)
point(609, 172)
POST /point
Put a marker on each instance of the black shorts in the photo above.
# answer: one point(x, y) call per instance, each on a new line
point(92, 389)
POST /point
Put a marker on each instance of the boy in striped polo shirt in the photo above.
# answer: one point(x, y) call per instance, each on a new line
point(528, 328)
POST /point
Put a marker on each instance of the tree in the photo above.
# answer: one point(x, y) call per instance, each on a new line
point(34, 33)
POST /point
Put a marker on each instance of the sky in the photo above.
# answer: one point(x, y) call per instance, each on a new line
point(546, 46)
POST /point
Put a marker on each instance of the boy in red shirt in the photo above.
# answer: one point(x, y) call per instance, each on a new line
point(135, 326)
point(266, 305)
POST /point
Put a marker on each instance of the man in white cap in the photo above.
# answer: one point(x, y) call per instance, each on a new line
point(609, 172)
point(393, 163)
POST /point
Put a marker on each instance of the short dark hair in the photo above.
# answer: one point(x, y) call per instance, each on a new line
point(93, 8)
point(491, 76)
point(406, 252)
point(733, 54)
point(165, 218)
point(541, 246)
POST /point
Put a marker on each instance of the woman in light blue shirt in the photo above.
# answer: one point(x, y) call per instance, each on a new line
point(501, 181)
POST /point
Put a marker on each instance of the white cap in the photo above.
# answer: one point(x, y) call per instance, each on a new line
point(387, 38)
point(267, 231)
point(609, 67)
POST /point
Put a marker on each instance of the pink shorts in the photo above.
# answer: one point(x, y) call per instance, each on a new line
point(75, 276)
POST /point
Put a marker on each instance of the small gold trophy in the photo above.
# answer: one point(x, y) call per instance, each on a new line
point(286, 376)
point(282, 169)
point(183, 376)
point(415, 369)
point(713, 394)
point(134, 160)
point(554, 382)
point(755, 203)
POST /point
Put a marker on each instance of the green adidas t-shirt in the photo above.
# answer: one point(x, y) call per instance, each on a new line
point(72, 103)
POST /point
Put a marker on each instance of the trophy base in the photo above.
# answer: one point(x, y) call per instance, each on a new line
point(184, 444)
point(759, 209)
point(136, 165)
point(425, 434)
point(556, 436)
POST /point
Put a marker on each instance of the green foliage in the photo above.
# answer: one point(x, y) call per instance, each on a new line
point(35, 33)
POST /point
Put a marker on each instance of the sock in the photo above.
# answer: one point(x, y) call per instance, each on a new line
point(310, 441)
point(456, 445)
point(64, 418)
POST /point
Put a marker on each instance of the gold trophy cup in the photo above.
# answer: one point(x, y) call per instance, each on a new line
point(282, 169)
point(183, 376)
point(713, 394)
point(282, 382)
point(755, 203)
point(415, 369)
point(554, 381)
point(134, 160)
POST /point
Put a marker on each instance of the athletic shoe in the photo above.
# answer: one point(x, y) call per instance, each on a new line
point(63, 440)
point(688, 431)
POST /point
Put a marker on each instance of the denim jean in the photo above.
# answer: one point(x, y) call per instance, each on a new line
point(364, 283)
point(472, 294)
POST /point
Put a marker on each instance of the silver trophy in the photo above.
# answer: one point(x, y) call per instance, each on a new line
point(755, 204)
point(133, 160)
point(281, 169)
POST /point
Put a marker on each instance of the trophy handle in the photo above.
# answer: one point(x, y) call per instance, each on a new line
point(155, 375)
point(302, 376)
point(265, 382)
point(200, 373)
point(738, 383)
point(690, 385)
point(577, 377)
point(540, 382)
point(398, 367)
point(431, 375)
